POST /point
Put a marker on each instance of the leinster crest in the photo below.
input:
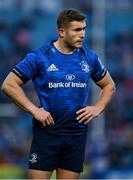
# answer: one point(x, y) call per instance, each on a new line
point(85, 66)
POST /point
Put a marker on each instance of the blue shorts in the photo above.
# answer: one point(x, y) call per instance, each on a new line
point(51, 151)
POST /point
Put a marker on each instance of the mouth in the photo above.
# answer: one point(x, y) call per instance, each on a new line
point(79, 41)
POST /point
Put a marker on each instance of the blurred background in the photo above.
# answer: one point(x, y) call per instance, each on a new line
point(25, 25)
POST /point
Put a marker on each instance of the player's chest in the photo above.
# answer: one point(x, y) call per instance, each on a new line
point(66, 69)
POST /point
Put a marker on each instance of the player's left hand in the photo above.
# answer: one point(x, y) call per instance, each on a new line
point(87, 114)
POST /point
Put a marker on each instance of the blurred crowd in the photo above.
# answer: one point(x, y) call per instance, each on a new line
point(22, 31)
point(120, 111)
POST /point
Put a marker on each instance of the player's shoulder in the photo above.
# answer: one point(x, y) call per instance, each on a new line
point(40, 52)
point(90, 53)
point(46, 49)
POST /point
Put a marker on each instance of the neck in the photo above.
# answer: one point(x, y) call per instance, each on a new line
point(62, 47)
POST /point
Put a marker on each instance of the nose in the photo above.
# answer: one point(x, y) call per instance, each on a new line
point(82, 33)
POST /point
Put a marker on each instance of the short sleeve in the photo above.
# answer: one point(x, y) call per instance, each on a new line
point(27, 68)
point(99, 71)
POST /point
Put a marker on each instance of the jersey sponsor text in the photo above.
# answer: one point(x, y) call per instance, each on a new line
point(67, 85)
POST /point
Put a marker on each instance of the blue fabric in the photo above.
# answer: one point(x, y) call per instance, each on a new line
point(50, 151)
point(61, 81)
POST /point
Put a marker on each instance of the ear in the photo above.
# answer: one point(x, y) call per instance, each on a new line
point(61, 32)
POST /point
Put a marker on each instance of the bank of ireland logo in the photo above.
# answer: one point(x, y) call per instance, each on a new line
point(33, 158)
point(84, 66)
point(70, 77)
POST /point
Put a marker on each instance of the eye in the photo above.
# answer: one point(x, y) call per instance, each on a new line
point(80, 29)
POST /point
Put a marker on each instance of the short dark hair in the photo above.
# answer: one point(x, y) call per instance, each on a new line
point(69, 15)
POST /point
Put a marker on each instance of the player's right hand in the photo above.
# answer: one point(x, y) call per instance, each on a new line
point(43, 116)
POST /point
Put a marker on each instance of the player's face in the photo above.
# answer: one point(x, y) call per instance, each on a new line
point(74, 33)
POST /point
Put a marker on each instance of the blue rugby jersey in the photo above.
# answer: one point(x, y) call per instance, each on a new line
point(61, 81)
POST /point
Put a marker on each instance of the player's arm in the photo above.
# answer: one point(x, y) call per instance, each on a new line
point(107, 90)
point(12, 88)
